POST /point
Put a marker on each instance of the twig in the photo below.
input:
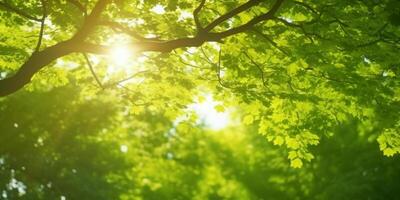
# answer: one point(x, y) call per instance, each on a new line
point(231, 14)
point(119, 27)
point(216, 66)
point(96, 78)
point(274, 44)
point(42, 21)
point(258, 67)
point(188, 64)
point(306, 6)
point(254, 21)
point(196, 16)
point(206, 56)
point(301, 27)
point(125, 79)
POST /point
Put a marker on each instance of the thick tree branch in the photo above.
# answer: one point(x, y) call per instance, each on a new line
point(40, 59)
point(91, 20)
point(37, 61)
point(77, 44)
point(269, 15)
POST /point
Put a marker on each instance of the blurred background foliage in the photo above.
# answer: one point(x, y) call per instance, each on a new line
point(93, 148)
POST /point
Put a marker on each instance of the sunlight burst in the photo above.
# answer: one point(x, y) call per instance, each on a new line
point(120, 55)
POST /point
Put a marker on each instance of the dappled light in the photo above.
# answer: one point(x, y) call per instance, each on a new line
point(199, 100)
point(212, 113)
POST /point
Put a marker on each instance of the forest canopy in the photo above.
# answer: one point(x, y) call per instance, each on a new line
point(205, 99)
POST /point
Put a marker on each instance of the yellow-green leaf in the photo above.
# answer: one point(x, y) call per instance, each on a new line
point(292, 143)
point(278, 140)
point(248, 119)
point(219, 108)
point(389, 152)
point(296, 163)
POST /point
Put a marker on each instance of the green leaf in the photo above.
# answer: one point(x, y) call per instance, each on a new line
point(296, 163)
point(248, 119)
point(219, 108)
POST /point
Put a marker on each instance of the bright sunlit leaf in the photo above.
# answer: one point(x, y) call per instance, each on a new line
point(279, 140)
point(248, 119)
point(219, 108)
point(296, 163)
point(199, 99)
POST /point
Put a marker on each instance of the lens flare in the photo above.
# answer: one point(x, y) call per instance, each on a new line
point(120, 55)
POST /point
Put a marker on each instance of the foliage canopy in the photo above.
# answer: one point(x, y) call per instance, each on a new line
point(79, 78)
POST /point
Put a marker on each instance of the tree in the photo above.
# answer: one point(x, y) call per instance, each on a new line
point(296, 70)
point(78, 42)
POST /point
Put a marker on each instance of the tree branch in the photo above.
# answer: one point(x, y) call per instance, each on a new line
point(79, 6)
point(37, 61)
point(77, 44)
point(8, 7)
point(119, 27)
point(217, 67)
point(196, 16)
point(40, 59)
point(42, 21)
point(107, 85)
point(269, 15)
point(96, 78)
point(230, 14)
point(308, 7)
point(273, 43)
point(219, 71)
point(301, 27)
point(91, 20)
point(259, 69)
